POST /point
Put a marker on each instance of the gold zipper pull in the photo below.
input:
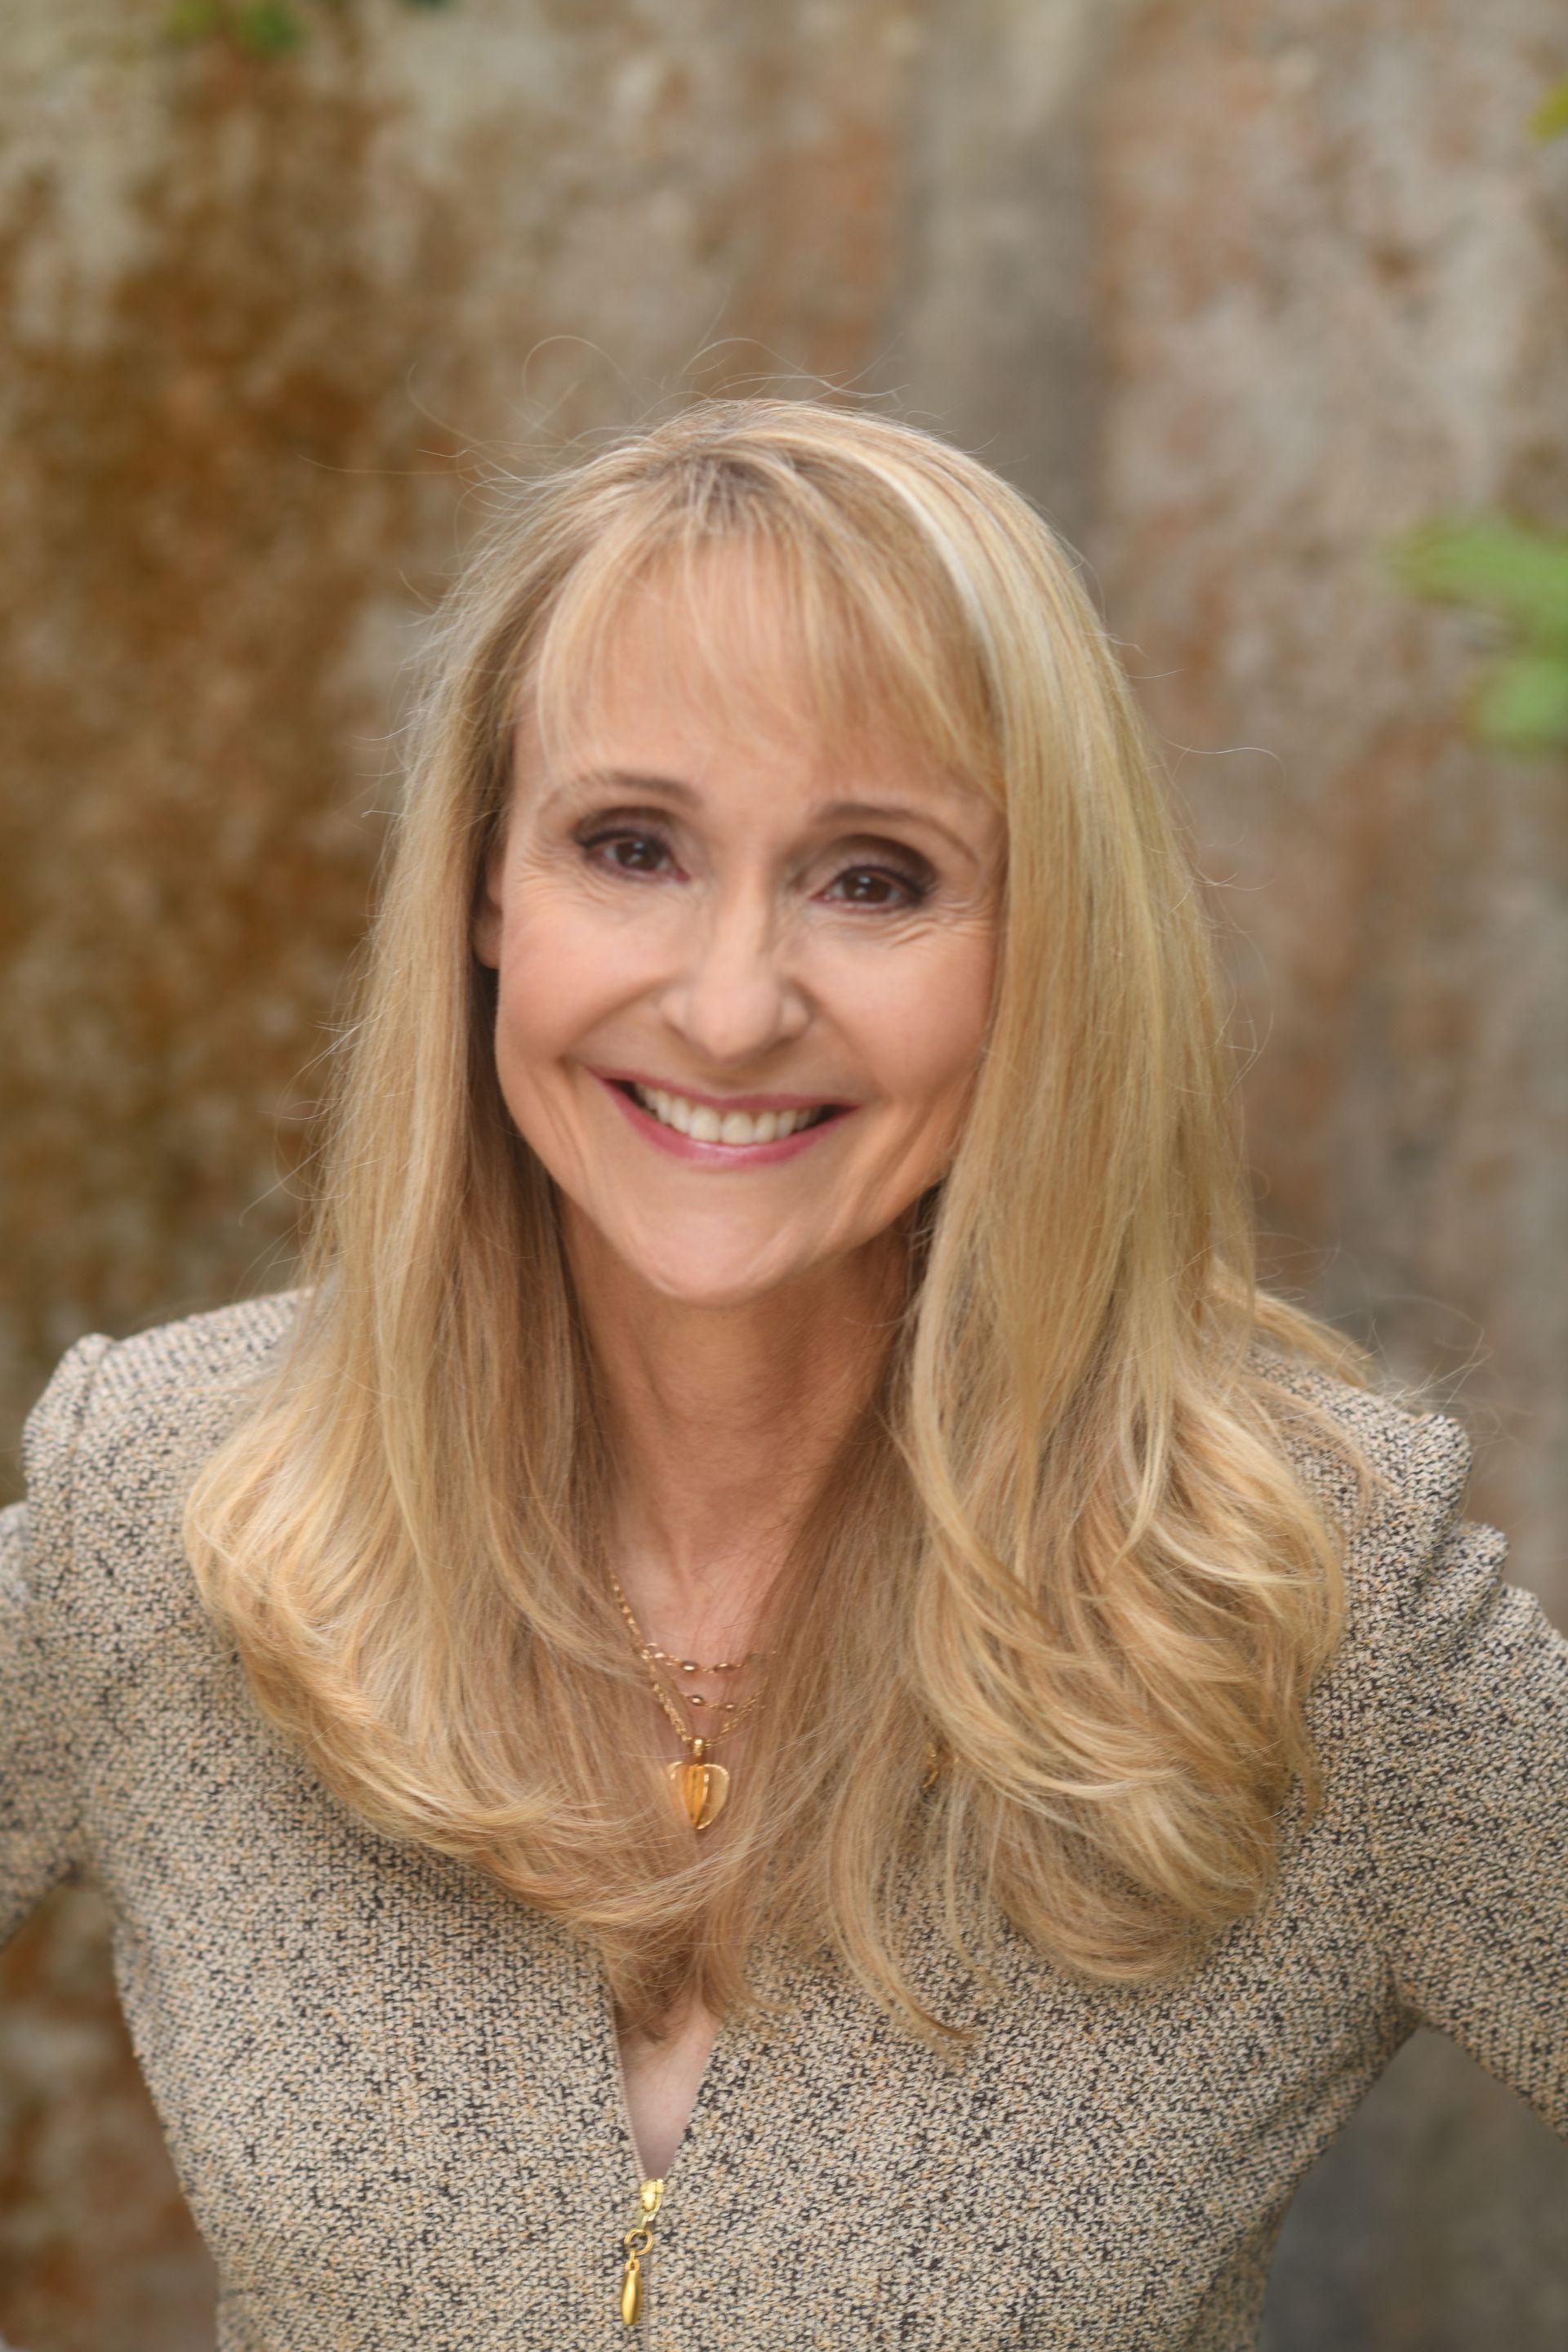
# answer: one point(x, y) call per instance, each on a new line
point(639, 2243)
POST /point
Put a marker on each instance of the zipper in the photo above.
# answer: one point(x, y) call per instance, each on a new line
point(637, 2245)
point(637, 2242)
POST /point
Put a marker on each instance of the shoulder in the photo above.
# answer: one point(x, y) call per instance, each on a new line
point(1390, 1478)
point(102, 1382)
point(1427, 1609)
point(111, 1445)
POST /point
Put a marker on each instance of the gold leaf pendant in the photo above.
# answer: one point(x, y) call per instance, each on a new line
point(701, 1788)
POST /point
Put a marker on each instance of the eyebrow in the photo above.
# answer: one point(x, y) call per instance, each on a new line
point(841, 811)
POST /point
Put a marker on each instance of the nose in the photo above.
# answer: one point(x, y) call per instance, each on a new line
point(734, 993)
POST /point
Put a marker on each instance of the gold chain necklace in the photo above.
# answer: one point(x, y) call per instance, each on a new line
point(701, 1787)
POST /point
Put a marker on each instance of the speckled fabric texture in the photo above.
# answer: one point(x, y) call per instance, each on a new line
point(393, 2095)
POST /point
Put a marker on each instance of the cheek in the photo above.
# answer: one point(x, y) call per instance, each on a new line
point(560, 973)
point(930, 1032)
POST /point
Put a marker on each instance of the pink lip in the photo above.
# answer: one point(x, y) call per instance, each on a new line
point(723, 1155)
point(753, 1103)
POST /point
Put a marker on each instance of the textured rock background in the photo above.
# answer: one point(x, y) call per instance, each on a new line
point(1337, 309)
point(1236, 290)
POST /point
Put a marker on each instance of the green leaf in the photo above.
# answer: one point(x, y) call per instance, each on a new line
point(193, 20)
point(267, 29)
point(426, 4)
point(1522, 703)
point(1498, 567)
point(1549, 118)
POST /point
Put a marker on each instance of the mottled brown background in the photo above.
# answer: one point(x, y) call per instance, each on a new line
point(1238, 289)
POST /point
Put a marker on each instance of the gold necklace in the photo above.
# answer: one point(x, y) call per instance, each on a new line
point(701, 1787)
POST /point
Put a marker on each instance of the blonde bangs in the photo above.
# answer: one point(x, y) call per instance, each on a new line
point(875, 645)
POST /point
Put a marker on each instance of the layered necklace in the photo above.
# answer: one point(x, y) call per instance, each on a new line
point(702, 1788)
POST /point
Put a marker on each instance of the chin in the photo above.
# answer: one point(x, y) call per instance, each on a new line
point(706, 1269)
point(708, 1286)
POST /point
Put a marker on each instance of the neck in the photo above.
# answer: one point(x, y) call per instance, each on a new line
point(723, 1423)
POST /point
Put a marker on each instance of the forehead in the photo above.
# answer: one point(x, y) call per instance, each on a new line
point(717, 671)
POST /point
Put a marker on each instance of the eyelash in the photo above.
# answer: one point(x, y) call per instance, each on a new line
point(917, 886)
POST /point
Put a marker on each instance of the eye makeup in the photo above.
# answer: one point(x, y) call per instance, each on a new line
point(887, 863)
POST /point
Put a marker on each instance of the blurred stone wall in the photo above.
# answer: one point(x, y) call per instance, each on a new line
point(1236, 289)
point(1336, 301)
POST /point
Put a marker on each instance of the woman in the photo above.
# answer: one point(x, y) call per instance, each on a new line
point(776, 1712)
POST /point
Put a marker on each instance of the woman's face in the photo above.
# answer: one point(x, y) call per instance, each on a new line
point(743, 977)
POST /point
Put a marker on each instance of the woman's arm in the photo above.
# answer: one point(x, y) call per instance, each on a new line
point(38, 1815)
point(37, 1810)
point(1466, 1783)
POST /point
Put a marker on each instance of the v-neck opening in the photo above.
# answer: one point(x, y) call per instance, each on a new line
point(623, 2093)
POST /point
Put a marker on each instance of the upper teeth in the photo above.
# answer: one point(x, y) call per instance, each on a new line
point(706, 1125)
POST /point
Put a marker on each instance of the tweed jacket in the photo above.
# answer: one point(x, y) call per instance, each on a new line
point(392, 2094)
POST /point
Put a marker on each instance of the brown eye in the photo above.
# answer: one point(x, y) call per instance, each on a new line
point(877, 887)
point(627, 852)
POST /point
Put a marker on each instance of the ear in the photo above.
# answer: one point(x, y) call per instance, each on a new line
point(486, 927)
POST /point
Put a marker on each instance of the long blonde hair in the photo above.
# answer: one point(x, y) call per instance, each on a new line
point(1065, 1545)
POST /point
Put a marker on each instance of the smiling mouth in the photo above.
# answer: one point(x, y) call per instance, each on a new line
point(703, 1124)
